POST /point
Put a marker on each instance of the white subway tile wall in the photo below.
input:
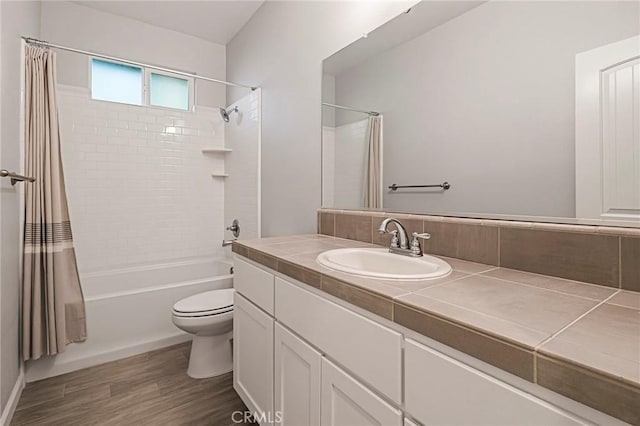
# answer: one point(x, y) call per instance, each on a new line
point(328, 165)
point(140, 189)
point(241, 190)
point(348, 164)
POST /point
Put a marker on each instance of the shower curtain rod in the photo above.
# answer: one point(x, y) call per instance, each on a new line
point(37, 42)
point(374, 113)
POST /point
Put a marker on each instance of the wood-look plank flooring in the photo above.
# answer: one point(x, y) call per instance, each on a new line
point(147, 389)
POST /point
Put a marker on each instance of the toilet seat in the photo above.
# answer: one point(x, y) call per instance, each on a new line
point(208, 317)
point(210, 303)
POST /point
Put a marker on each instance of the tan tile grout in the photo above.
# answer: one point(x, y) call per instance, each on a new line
point(554, 335)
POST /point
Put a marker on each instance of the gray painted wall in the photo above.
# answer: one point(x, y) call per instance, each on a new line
point(486, 101)
point(281, 49)
point(18, 18)
point(85, 28)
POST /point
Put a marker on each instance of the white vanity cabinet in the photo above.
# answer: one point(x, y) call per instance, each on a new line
point(253, 358)
point(347, 402)
point(304, 358)
point(297, 380)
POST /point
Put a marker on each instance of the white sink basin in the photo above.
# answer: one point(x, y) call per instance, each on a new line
point(379, 263)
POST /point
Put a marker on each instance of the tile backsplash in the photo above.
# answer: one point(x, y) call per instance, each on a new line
point(595, 254)
point(578, 256)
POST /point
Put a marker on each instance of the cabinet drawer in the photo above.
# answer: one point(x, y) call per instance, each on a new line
point(254, 283)
point(371, 351)
point(440, 390)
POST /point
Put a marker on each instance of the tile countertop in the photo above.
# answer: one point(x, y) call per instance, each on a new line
point(580, 340)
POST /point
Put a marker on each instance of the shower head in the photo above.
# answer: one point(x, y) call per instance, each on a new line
point(225, 113)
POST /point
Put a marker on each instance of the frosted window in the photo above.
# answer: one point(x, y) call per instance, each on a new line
point(111, 81)
point(169, 92)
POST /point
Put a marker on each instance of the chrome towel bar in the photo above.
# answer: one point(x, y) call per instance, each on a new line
point(15, 178)
point(443, 185)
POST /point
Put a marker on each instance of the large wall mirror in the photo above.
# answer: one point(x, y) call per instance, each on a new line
point(489, 109)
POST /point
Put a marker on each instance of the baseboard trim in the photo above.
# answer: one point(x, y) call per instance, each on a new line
point(40, 372)
point(10, 409)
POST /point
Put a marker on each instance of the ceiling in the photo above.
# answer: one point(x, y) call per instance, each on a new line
point(420, 19)
point(215, 21)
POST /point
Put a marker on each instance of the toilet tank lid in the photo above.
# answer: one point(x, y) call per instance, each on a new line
point(207, 301)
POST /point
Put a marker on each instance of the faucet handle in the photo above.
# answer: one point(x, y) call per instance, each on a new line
point(395, 242)
point(234, 228)
point(416, 250)
point(424, 236)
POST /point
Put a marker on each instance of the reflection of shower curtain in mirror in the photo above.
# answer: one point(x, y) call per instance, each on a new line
point(372, 189)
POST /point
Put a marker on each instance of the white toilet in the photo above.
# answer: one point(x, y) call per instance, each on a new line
point(209, 317)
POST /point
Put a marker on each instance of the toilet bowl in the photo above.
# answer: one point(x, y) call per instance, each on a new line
point(209, 317)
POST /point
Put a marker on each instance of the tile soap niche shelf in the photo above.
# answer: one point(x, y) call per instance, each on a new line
point(212, 150)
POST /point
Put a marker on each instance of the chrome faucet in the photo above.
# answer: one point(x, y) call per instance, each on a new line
point(235, 230)
point(400, 240)
point(400, 232)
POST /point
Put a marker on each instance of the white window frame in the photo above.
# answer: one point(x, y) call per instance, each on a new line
point(143, 88)
point(146, 85)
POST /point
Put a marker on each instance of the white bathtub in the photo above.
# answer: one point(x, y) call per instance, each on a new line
point(129, 312)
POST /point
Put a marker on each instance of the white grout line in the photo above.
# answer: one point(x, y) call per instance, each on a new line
point(621, 304)
point(467, 275)
point(619, 262)
point(545, 341)
point(499, 251)
point(559, 278)
point(615, 290)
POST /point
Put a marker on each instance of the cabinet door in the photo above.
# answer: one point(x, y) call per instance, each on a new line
point(346, 402)
point(297, 380)
point(253, 358)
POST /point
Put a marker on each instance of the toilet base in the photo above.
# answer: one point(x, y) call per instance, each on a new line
point(210, 356)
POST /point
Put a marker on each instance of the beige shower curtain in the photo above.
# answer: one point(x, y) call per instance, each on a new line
point(53, 312)
point(373, 181)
